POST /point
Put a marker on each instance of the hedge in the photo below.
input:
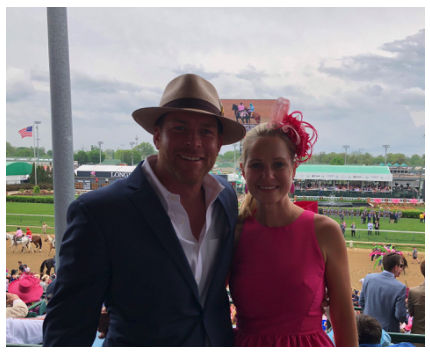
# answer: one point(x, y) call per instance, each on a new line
point(413, 214)
point(30, 186)
point(30, 199)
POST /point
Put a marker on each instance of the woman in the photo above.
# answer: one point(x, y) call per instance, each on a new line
point(285, 256)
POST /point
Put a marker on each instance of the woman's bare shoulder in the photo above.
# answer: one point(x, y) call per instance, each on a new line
point(328, 234)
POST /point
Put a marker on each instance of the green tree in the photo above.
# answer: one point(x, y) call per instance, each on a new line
point(229, 156)
point(145, 149)
point(81, 157)
point(110, 153)
point(337, 160)
point(49, 152)
point(94, 156)
point(10, 151)
point(378, 160)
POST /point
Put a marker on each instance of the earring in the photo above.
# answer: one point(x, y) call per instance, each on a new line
point(292, 188)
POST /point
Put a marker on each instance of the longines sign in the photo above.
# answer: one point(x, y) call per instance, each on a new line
point(103, 174)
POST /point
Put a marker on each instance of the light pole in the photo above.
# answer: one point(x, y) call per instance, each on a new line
point(346, 148)
point(361, 155)
point(131, 147)
point(100, 147)
point(37, 123)
point(137, 145)
point(122, 151)
point(386, 146)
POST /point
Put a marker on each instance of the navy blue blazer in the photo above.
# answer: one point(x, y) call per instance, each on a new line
point(383, 298)
point(120, 249)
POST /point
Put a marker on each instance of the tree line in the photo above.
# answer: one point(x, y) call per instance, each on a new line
point(353, 158)
point(144, 149)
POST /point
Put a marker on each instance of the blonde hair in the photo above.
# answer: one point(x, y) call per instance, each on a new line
point(249, 205)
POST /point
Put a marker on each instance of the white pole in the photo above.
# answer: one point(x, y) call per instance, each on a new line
point(34, 152)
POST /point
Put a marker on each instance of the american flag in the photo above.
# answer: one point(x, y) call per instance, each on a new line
point(26, 132)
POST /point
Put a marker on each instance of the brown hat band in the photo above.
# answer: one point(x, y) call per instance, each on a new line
point(193, 103)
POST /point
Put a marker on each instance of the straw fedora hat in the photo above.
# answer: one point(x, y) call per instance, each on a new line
point(195, 95)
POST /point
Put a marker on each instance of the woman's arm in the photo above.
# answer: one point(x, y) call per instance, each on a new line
point(333, 249)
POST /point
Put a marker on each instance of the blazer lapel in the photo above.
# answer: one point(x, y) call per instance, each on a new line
point(149, 205)
point(224, 255)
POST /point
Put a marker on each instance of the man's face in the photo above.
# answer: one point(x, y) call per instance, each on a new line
point(188, 146)
point(398, 269)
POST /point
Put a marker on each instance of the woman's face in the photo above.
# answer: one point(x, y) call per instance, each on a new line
point(269, 170)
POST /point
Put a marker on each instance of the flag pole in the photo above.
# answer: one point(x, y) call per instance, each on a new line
point(34, 150)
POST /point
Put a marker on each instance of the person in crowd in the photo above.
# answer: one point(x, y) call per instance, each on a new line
point(422, 217)
point(362, 217)
point(186, 220)
point(18, 234)
point(251, 110)
point(370, 333)
point(415, 255)
point(343, 227)
point(369, 228)
point(416, 305)
point(21, 267)
point(399, 215)
point(353, 229)
point(29, 235)
point(396, 216)
point(44, 282)
point(269, 305)
point(44, 227)
point(377, 228)
point(383, 297)
point(15, 307)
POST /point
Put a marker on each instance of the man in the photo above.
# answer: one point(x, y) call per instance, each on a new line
point(44, 227)
point(15, 307)
point(371, 334)
point(383, 297)
point(377, 228)
point(415, 256)
point(369, 228)
point(353, 229)
point(178, 224)
point(416, 305)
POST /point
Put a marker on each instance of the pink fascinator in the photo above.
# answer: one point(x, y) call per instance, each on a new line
point(295, 128)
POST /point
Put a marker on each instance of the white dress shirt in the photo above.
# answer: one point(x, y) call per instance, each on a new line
point(200, 253)
point(24, 331)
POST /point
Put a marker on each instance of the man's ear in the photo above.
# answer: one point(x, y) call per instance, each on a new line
point(156, 137)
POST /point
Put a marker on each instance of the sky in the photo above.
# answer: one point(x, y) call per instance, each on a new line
point(356, 74)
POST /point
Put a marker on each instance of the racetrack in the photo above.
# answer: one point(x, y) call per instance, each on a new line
point(359, 264)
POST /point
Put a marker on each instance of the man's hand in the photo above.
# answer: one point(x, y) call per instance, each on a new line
point(103, 323)
point(10, 297)
point(326, 302)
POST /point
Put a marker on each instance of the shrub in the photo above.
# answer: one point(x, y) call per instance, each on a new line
point(35, 199)
point(36, 190)
point(11, 188)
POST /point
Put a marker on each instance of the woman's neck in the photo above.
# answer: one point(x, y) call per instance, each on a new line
point(277, 214)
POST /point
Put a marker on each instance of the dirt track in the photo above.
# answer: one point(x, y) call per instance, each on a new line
point(359, 264)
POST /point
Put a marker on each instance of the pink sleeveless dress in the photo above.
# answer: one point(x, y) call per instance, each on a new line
point(277, 284)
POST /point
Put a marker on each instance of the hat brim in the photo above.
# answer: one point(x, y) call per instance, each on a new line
point(147, 117)
point(28, 297)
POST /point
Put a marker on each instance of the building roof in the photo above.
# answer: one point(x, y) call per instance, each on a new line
point(107, 168)
point(18, 169)
point(344, 172)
